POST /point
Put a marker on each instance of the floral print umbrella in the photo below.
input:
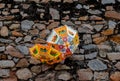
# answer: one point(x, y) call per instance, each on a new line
point(61, 43)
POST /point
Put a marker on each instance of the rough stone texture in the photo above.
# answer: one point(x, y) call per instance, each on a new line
point(12, 77)
point(13, 52)
point(113, 56)
point(17, 40)
point(15, 59)
point(56, 0)
point(53, 25)
point(112, 14)
point(98, 27)
point(104, 47)
point(64, 76)
point(117, 48)
point(103, 53)
point(2, 40)
point(90, 46)
point(2, 5)
point(117, 65)
point(97, 65)
point(68, 23)
point(98, 40)
point(115, 39)
point(69, 1)
point(27, 38)
point(115, 76)
point(77, 57)
point(45, 1)
point(22, 63)
point(46, 77)
point(44, 33)
point(45, 67)
point(23, 49)
point(26, 25)
point(6, 63)
point(85, 74)
point(108, 32)
point(17, 34)
point(39, 40)
point(108, 1)
point(4, 31)
point(85, 28)
point(112, 24)
point(1, 24)
point(91, 55)
point(14, 26)
point(34, 32)
point(79, 6)
point(24, 74)
point(54, 13)
point(39, 26)
point(87, 39)
point(97, 18)
point(101, 76)
point(36, 69)
point(94, 11)
point(4, 72)
point(34, 61)
point(2, 48)
point(7, 17)
point(62, 67)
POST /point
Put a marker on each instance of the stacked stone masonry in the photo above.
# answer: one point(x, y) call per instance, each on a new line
point(26, 22)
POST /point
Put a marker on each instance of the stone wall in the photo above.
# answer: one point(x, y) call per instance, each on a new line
point(26, 22)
